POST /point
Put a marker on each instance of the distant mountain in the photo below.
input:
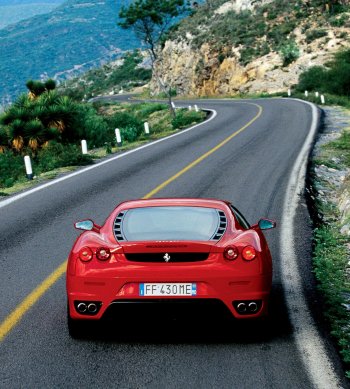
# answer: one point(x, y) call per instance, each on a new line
point(13, 11)
point(74, 37)
point(20, 2)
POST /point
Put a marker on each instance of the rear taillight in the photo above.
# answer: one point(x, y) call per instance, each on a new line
point(103, 253)
point(248, 253)
point(85, 254)
point(231, 253)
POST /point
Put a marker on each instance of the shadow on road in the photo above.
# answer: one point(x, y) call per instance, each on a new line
point(132, 324)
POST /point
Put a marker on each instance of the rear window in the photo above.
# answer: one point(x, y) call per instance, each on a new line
point(170, 223)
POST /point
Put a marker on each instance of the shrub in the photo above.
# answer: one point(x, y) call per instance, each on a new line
point(125, 119)
point(11, 168)
point(92, 127)
point(129, 134)
point(143, 111)
point(315, 34)
point(185, 118)
point(165, 95)
point(247, 55)
point(289, 52)
point(312, 79)
point(334, 80)
point(56, 155)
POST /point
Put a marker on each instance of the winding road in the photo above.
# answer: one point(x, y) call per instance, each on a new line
point(252, 153)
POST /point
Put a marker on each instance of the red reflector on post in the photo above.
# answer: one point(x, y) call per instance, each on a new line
point(249, 253)
point(85, 254)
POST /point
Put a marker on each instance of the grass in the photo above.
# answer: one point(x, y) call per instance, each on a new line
point(160, 122)
point(331, 248)
point(340, 148)
point(331, 266)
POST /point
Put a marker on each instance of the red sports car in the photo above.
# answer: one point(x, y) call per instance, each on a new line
point(169, 250)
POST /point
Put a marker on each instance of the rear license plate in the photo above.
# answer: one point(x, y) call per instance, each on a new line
point(189, 289)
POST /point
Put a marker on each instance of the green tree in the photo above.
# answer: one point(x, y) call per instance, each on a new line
point(150, 20)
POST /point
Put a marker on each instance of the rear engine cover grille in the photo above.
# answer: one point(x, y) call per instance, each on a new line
point(162, 257)
point(222, 226)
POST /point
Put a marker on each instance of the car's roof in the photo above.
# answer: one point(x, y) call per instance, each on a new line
point(174, 201)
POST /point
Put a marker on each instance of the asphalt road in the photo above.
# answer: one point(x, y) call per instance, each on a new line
point(36, 232)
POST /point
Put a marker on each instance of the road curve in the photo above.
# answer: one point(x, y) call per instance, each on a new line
point(253, 170)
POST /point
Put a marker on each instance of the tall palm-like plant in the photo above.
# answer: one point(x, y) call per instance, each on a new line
point(38, 117)
point(4, 140)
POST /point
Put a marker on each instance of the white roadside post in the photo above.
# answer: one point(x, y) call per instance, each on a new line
point(316, 94)
point(84, 149)
point(289, 93)
point(322, 99)
point(173, 105)
point(118, 137)
point(306, 93)
point(28, 165)
point(196, 108)
point(189, 108)
point(146, 128)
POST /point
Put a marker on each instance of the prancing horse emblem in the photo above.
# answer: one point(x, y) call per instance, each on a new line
point(166, 257)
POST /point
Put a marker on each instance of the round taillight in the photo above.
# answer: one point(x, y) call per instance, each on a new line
point(249, 253)
point(85, 254)
point(103, 253)
point(231, 253)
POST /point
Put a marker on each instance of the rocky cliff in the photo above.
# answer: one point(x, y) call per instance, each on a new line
point(209, 68)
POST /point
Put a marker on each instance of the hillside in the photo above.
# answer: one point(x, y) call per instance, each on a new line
point(124, 74)
point(252, 46)
point(13, 11)
point(69, 40)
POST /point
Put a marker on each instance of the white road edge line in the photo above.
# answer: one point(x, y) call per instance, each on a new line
point(308, 340)
point(14, 198)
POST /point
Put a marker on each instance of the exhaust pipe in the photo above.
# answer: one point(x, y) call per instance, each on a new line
point(241, 308)
point(253, 307)
point(92, 308)
point(81, 307)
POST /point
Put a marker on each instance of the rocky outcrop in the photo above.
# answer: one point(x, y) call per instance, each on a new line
point(240, 5)
point(203, 71)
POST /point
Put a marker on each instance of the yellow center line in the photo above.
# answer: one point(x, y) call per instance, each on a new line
point(202, 157)
point(16, 315)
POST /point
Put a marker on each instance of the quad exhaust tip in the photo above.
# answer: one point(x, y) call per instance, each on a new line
point(252, 307)
point(81, 308)
point(242, 307)
point(87, 307)
point(247, 307)
point(92, 308)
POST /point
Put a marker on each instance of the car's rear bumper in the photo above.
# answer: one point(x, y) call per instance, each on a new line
point(114, 292)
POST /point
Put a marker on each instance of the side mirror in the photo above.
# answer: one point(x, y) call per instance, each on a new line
point(85, 225)
point(266, 224)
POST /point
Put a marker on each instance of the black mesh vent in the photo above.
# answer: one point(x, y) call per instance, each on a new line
point(222, 226)
point(169, 257)
point(117, 227)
